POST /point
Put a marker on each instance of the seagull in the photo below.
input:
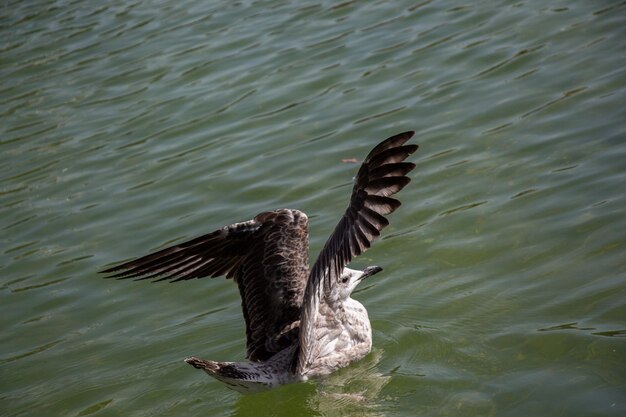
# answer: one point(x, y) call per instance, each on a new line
point(300, 324)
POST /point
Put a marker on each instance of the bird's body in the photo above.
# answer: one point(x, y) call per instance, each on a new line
point(300, 324)
point(344, 336)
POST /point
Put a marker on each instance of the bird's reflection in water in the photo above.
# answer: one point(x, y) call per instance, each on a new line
point(354, 390)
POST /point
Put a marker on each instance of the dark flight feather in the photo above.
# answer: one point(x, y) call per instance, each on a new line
point(382, 174)
point(268, 256)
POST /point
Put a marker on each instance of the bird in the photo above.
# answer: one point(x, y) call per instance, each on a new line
point(300, 324)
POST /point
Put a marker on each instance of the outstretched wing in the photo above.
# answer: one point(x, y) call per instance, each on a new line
point(266, 256)
point(382, 174)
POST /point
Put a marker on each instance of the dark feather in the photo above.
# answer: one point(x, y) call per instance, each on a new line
point(266, 256)
point(383, 173)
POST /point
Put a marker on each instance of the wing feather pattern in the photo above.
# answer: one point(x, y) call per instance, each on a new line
point(268, 259)
point(382, 174)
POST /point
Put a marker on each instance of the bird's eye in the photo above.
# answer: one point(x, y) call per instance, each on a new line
point(344, 279)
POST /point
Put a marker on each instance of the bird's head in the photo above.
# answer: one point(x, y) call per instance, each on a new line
point(350, 278)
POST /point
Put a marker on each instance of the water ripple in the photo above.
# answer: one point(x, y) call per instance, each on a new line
point(129, 126)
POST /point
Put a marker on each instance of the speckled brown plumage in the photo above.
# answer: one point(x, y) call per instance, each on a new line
point(268, 259)
point(292, 315)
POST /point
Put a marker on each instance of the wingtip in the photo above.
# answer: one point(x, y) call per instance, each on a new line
point(118, 273)
point(118, 269)
point(109, 270)
point(393, 142)
point(112, 273)
point(404, 136)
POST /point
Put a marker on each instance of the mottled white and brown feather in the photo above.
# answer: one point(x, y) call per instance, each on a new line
point(291, 315)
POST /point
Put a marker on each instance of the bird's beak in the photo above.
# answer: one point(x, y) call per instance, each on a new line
point(369, 271)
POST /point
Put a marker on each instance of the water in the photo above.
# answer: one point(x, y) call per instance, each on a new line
point(127, 126)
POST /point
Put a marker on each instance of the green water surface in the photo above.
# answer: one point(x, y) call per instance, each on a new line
point(130, 125)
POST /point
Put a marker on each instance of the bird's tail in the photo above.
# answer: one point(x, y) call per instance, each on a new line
point(209, 366)
point(244, 377)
